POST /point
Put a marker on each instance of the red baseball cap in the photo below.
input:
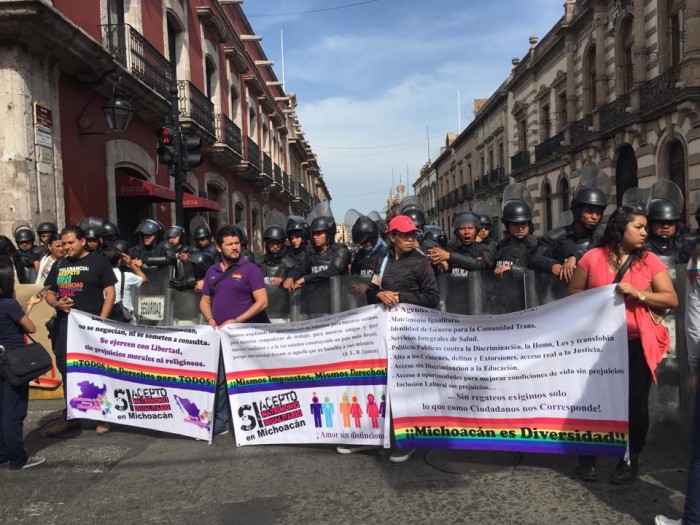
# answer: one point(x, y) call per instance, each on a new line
point(403, 224)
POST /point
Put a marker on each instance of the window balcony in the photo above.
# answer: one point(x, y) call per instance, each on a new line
point(252, 153)
point(467, 193)
point(138, 56)
point(660, 90)
point(520, 160)
point(196, 110)
point(549, 147)
point(614, 114)
point(581, 130)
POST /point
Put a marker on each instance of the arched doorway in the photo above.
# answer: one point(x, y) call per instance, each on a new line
point(131, 207)
point(625, 172)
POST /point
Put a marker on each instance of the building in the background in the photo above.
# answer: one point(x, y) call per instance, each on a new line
point(394, 199)
point(614, 84)
point(63, 63)
point(426, 188)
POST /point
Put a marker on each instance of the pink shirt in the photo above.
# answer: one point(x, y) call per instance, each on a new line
point(596, 264)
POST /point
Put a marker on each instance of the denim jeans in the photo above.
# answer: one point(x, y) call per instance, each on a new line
point(691, 512)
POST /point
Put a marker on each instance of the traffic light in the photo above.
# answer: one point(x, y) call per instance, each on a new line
point(189, 159)
point(166, 145)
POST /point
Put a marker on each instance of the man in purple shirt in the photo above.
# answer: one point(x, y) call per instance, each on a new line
point(233, 292)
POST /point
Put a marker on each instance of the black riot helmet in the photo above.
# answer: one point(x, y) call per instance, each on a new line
point(121, 245)
point(47, 227)
point(92, 233)
point(662, 210)
point(24, 235)
point(363, 230)
point(434, 237)
point(297, 225)
point(588, 195)
point(324, 224)
point(176, 231)
point(466, 217)
point(274, 232)
point(417, 216)
point(109, 232)
point(150, 227)
point(200, 232)
point(516, 210)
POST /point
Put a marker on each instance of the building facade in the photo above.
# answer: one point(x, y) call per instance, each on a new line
point(613, 85)
point(62, 61)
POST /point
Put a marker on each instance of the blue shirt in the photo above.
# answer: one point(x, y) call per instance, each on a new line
point(11, 332)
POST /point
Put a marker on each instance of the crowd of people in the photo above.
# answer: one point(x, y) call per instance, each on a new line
point(400, 263)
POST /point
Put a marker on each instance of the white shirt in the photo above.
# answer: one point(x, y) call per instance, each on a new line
point(131, 281)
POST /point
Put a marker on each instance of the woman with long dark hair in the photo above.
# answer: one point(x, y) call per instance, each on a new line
point(646, 283)
point(8, 248)
point(14, 400)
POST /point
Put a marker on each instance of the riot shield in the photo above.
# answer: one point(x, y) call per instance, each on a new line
point(278, 304)
point(348, 292)
point(592, 177)
point(377, 219)
point(322, 209)
point(313, 300)
point(541, 288)
point(410, 202)
point(518, 191)
point(482, 293)
point(636, 198)
point(565, 218)
point(274, 218)
point(91, 222)
point(153, 300)
point(666, 190)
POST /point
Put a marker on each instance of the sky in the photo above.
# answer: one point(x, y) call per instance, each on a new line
point(380, 83)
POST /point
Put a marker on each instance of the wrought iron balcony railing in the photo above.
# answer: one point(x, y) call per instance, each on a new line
point(138, 56)
point(580, 131)
point(467, 193)
point(278, 175)
point(227, 132)
point(661, 89)
point(549, 147)
point(614, 113)
point(267, 165)
point(252, 152)
point(520, 160)
point(195, 106)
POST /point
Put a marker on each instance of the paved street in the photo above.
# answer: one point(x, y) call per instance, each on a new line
point(135, 476)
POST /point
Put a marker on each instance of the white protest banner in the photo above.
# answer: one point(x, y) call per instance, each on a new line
point(551, 379)
point(315, 381)
point(144, 376)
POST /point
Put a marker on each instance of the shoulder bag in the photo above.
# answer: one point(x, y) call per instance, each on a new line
point(23, 364)
point(120, 312)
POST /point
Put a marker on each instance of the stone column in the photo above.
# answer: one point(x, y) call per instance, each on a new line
point(662, 51)
point(570, 48)
point(601, 87)
point(691, 63)
point(639, 49)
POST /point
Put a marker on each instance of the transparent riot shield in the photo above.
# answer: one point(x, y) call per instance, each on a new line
point(481, 292)
point(541, 288)
point(153, 300)
point(313, 300)
point(348, 292)
point(278, 304)
point(184, 307)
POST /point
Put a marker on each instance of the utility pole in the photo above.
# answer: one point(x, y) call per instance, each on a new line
point(175, 169)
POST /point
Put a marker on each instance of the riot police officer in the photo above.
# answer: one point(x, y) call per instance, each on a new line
point(174, 244)
point(299, 251)
point(148, 251)
point(567, 244)
point(434, 237)
point(518, 250)
point(275, 265)
point(328, 258)
point(204, 243)
point(467, 254)
point(372, 247)
point(45, 230)
point(109, 234)
point(687, 242)
point(663, 217)
point(24, 238)
point(92, 239)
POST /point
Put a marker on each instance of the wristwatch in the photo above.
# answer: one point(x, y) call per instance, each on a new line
point(641, 296)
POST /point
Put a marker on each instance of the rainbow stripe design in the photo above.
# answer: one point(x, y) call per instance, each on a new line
point(361, 372)
point(237, 276)
point(540, 435)
point(199, 380)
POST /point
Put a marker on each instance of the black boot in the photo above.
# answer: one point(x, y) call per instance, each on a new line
point(626, 471)
point(586, 468)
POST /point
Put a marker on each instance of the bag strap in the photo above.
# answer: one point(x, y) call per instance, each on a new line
point(121, 287)
point(623, 269)
point(221, 277)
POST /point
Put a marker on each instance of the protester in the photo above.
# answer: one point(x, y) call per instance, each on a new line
point(84, 281)
point(403, 275)
point(233, 292)
point(133, 278)
point(646, 283)
point(56, 252)
point(14, 400)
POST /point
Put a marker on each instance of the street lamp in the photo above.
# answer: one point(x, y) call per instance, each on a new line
point(265, 193)
point(117, 112)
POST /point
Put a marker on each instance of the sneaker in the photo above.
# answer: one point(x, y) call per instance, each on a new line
point(663, 520)
point(33, 462)
point(350, 449)
point(401, 455)
point(222, 433)
point(103, 428)
point(624, 474)
point(60, 427)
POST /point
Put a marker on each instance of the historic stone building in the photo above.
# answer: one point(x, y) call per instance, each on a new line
point(62, 63)
point(615, 85)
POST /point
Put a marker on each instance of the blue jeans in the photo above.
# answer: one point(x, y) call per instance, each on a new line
point(691, 512)
point(222, 407)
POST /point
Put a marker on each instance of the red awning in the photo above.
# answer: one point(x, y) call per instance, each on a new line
point(192, 202)
point(127, 186)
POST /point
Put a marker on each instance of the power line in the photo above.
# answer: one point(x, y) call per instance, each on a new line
point(376, 147)
point(345, 6)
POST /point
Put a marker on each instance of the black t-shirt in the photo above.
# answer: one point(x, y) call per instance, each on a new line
point(83, 280)
point(11, 332)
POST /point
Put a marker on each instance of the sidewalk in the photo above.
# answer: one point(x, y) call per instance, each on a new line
point(136, 476)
